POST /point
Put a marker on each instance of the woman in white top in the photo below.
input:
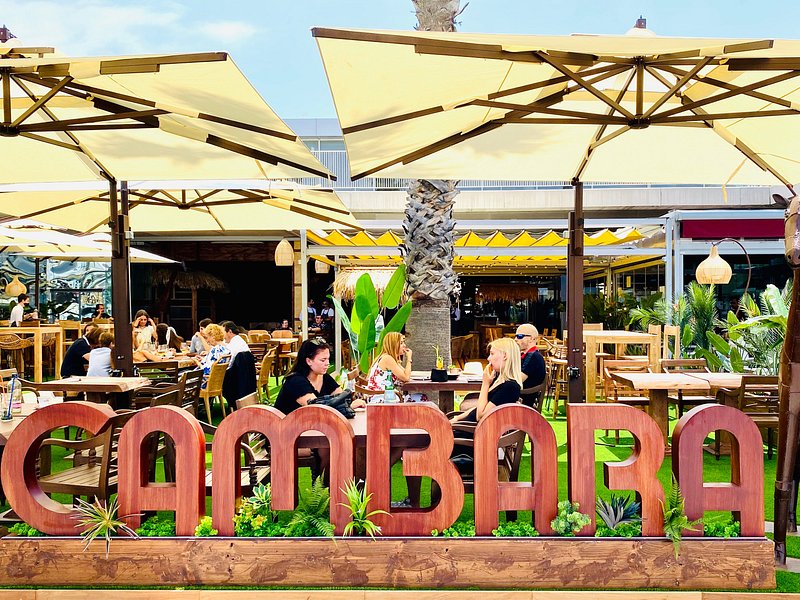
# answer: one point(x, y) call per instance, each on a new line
point(100, 357)
point(144, 329)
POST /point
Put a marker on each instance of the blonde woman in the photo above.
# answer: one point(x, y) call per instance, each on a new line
point(394, 351)
point(502, 381)
point(215, 336)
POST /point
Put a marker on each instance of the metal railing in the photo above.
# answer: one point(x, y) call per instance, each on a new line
point(336, 162)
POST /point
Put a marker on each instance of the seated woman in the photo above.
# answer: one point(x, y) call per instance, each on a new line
point(502, 382)
point(215, 336)
point(144, 329)
point(100, 360)
point(167, 336)
point(309, 379)
point(394, 351)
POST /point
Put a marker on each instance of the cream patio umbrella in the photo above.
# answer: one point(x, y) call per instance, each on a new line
point(114, 119)
point(634, 108)
point(282, 205)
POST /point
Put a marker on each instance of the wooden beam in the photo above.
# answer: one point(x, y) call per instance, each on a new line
point(546, 110)
point(727, 86)
point(639, 87)
point(763, 64)
point(263, 156)
point(6, 77)
point(586, 85)
point(54, 142)
point(729, 94)
point(139, 64)
point(144, 116)
point(673, 89)
point(41, 101)
point(744, 114)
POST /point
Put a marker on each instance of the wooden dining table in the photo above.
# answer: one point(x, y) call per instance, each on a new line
point(446, 389)
point(38, 334)
point(594, 341)
point(8, 427)
point(658, 386)
point(97, 389)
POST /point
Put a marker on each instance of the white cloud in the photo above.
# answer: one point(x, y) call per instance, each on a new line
point(98, 27)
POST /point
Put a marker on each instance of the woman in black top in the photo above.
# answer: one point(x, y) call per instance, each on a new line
point(501, 382)
point(308, 378)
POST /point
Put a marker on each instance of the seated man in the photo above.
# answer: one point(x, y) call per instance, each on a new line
point(533, 368)
point(76, 358)
point(233, 341)
point(18, 314)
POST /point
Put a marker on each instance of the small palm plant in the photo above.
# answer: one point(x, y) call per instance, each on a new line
point(311, 519)
point(357, 501)
point(675, 519)
point(617, 511)
point(99, 520)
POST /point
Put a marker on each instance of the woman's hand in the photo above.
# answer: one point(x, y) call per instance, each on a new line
point(409, 353)
point(358, 403)
point(488, 375)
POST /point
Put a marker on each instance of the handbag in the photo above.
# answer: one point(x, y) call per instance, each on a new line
point(340, 402)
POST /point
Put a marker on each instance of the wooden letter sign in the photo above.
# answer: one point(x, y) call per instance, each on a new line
point(744, 495)
point(433, 461)
point(282, 432)
point(638, 472)
point(541, 495)
point(20, 485)
point(187, 496)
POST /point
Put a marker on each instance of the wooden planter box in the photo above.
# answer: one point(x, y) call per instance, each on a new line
point(488, 563)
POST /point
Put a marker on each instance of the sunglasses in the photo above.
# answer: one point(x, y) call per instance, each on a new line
point(520, 336)
point(318, 341)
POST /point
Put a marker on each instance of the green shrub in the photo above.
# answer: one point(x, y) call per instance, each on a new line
point(312, 517)
point(24, 530)
point(569, 520)
point(457, 529)
point(515, 529)
point(255, 517)
point(623, 530)
point(723, 529)
point(360, 517)
point(204, 528)
point(157, 527)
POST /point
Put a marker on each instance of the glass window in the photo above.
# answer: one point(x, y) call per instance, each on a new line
point(334, 144)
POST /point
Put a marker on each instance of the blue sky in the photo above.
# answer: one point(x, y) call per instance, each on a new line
point(271, 42)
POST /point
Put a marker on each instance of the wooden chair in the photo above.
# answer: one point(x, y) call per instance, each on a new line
point(259, 349)
point(672, 342)
point(190, 384)
point(145, 396)
point(558, 379)
point(509, 456)
point(160, 372)
point(758, 399)
point(687, 365)
point(614, 391)
point(213, 389)
point(253, 471)
point(259, 335)
point(534, 396)
point(94, 470)
point(493, 333)
point(14, 347)
point(593, 326)
point(279, 334)
point(264, 372)
point(457, 351)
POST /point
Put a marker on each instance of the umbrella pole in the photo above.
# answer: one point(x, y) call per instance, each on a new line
point(304, 281)
point(575, 297)
point(121, 278)
point(37, 273)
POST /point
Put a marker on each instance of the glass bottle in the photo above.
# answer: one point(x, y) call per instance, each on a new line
point(389, 395)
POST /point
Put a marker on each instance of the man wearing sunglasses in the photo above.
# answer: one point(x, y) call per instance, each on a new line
point(533, 369)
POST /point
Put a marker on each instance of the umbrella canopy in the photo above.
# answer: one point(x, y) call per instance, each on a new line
point(35, 242)
point(139, 117)
point(282, 206)
point(595, 108)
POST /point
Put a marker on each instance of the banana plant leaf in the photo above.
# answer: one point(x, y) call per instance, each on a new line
point(394, 289)
point(396, 323)
point(366, 342)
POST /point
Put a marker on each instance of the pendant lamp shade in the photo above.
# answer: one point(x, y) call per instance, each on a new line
point(284, 254)
point(15, 287)
point(321, 267)
point(713, 269)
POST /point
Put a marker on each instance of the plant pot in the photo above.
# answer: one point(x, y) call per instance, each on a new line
point(439, 375)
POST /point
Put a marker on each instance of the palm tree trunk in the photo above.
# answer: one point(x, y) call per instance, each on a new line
point(428, 226)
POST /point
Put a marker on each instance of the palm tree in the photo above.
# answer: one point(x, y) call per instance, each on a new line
point(428, 226)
